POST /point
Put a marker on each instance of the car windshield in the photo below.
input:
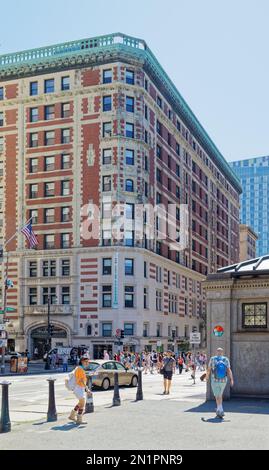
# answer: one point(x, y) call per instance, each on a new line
point(92, 366)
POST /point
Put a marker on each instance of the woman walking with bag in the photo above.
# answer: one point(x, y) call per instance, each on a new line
point(167, 370)
point(79, 390)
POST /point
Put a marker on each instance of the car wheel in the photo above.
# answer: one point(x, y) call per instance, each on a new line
point(134, 381)
point(105, 384)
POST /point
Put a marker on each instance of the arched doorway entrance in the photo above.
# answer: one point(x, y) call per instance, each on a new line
point(39, 339)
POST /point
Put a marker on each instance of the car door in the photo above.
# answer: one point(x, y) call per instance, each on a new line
point(124, 378)
point(109, 368)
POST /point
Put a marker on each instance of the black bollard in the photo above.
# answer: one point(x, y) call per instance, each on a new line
point(139, 392)
point(52, 412)
point(116, 397)
point(89, 407)
point(5, 424)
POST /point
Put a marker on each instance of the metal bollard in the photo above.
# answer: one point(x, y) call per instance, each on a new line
point(116, 397)
point(139, 392)
point(5, 424)
point(89, 407)
point(52, 412)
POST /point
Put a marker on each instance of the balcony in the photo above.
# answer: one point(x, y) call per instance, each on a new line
point(43, 310)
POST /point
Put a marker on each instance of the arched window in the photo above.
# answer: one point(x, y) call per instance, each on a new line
point(89, 330)
point(129, 186)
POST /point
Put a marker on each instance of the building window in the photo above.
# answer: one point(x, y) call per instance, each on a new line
point(129, 104)
point(33, 114)
point(49, 268)
point(49, 112)
point(107, 129)
point(65, 83)
point(107, 156)
point(129, 186)
point(65, 267)
point(129, 296)
point(129, 77)
point(49, 189)
point(33, 215)
point(145, 270)
point(158, 300)
point(129, 238)
point(106, 296)
point(107, 266)
point(159, 102)
point(65, 188)
point(33, 89)
point(145, 297)
point(129, 211)
point(65, 161)
point(33, 191)
point(49, 164)
point(129, 130)
point(89, 330)
point(65, 110)
point(65, 214)
point(129, 266)
point(33, 269)
point(145, 330)
point(49, 216)
point(107, 76)
point(1, 144)
point(65, 136)
point(34, 139)
point(159, 128)
point(106, 237)
point(254, 315)
point(65, 294)
point(128, 329)
point(106, 183)
point(33, 165)
point(159, 175)
point(106, 210)
point(49, 242)
point(146, 112)
point(107, 103)
point(33, 296)
point(65, 240)
point(49, 292)
point(49, 85)
point(159, 330)
point(107, 329)
point(129, 157)
point(49, 138)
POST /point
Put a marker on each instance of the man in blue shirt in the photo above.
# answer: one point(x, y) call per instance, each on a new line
point(219, 368)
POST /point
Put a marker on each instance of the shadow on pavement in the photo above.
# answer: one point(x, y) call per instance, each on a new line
point(67, 427)
point(235, 405)
point(215, 420)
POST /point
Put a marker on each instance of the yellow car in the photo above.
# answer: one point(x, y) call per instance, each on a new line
point(102, 374)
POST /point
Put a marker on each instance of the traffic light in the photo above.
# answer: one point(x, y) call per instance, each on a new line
point(122, 333)
point(51, 329)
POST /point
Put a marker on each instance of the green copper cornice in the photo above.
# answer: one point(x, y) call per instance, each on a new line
point(109, 48)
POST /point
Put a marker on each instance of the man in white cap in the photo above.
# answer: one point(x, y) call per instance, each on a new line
point(220, 367)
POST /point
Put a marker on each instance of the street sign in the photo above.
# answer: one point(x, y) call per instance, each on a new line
point(3, 334)
point(8, 309)
point(3, 343)
point(2, 327)
point(195, 338)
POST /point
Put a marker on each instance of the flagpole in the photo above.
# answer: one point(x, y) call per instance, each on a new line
point(5, 292)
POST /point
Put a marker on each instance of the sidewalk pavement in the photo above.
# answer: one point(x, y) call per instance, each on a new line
point(151, 424)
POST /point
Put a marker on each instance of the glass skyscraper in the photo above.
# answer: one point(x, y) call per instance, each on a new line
point(254, 176)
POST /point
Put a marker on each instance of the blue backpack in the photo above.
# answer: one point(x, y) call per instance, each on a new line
point(220, 370)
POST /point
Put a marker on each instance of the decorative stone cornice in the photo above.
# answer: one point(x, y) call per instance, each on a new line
point(112, 48)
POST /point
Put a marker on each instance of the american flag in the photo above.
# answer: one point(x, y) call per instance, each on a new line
point(27, 230)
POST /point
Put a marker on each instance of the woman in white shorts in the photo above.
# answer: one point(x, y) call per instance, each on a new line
point(80, 390)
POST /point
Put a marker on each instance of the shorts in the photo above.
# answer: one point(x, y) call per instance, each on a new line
point(167, 375)
point(79, 392)
point(218, 388)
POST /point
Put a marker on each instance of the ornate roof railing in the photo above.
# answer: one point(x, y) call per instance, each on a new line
point(19, 63)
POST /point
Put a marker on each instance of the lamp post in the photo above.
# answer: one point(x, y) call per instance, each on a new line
point(47, 365)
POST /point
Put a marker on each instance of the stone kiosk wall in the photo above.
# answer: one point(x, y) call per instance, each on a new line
point(247, 347)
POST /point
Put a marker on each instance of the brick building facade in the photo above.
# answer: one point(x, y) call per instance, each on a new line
point(98, 121)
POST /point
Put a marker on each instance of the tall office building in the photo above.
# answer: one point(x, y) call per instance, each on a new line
point(99, 121)
point(254, 177)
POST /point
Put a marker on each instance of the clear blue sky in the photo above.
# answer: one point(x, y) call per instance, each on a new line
point(215, 51)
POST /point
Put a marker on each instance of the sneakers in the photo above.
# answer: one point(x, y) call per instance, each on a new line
point(73, 416)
